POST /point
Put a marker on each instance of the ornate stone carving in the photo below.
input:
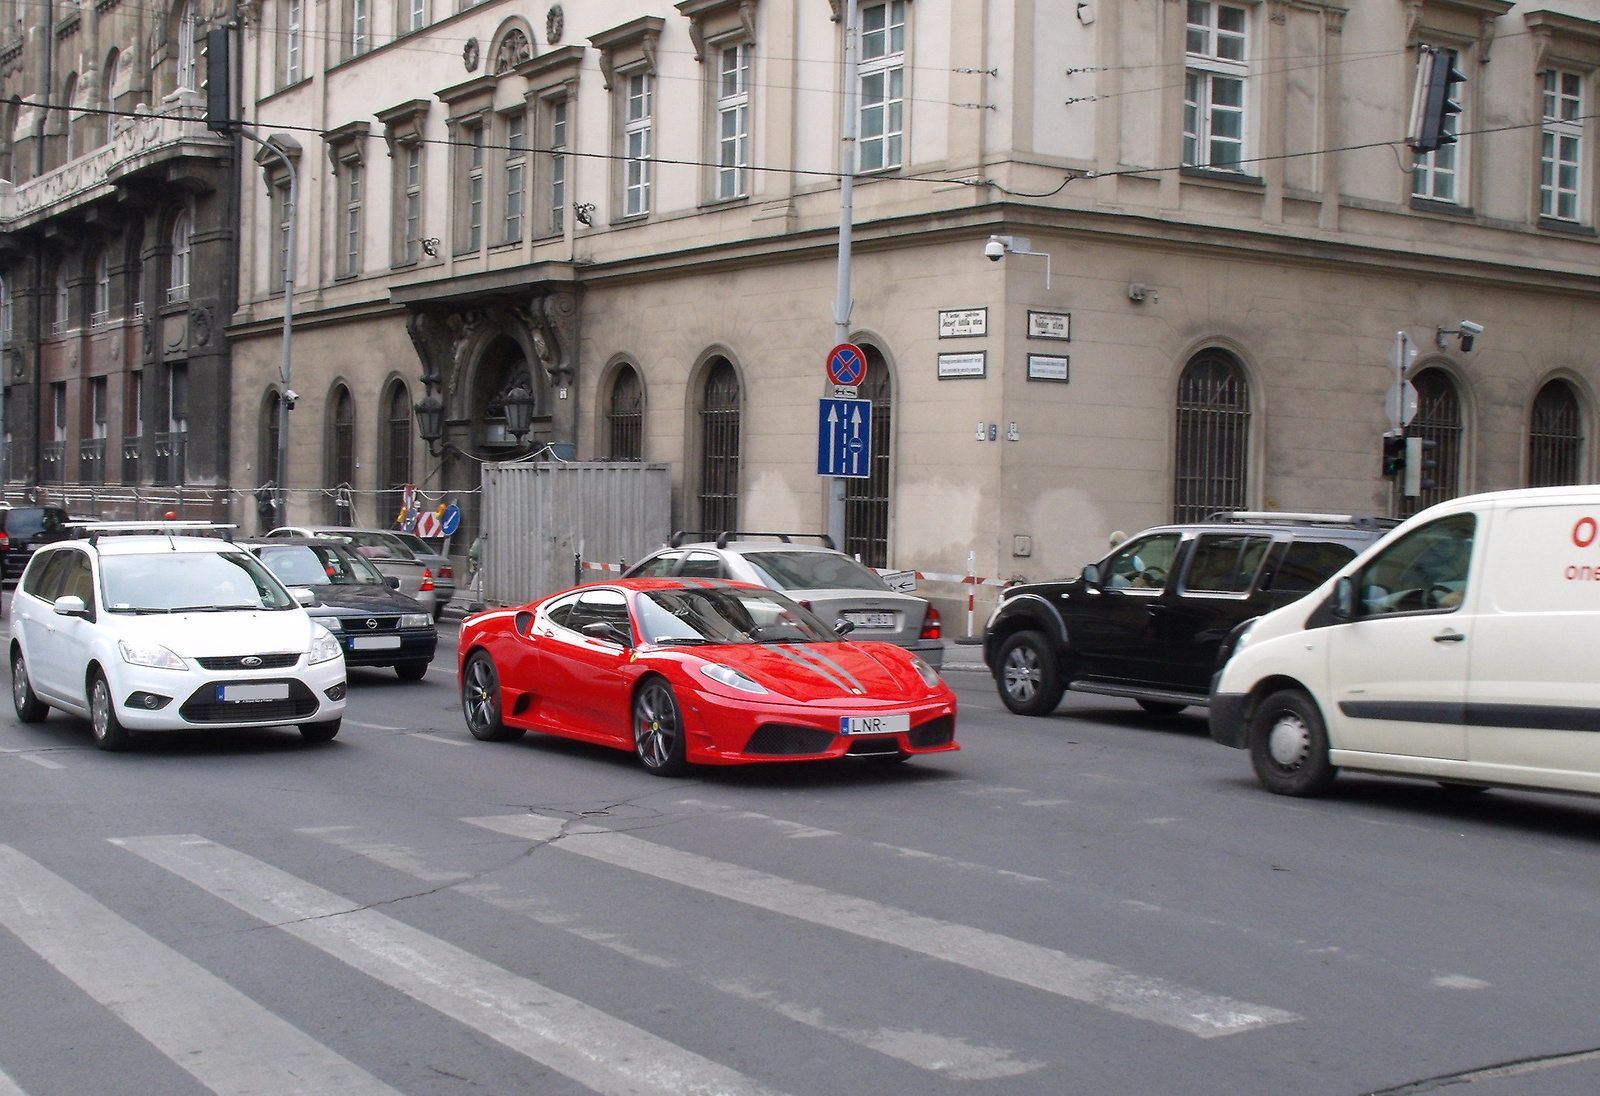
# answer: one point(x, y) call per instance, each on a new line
point(470, 55)
point(555, 24)
point(200, 322)
point(514, 49)
point(553, 327)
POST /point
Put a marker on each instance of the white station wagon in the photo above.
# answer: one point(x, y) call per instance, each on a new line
point(168, 632)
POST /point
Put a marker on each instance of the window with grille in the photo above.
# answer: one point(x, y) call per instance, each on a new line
point(637, 137)
point(1439, 420)
point(881, 140)
point(866, 501)
point(625, 416)
point(342, 451)
point(1560, 159)
point(396, 456)
point(1555, 437)
point(268, 454)
point(733, 121)
point(719, 448)
point(1214, 86)
point(1213, 437)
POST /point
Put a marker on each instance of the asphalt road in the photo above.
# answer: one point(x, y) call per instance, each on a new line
point(1100, 902)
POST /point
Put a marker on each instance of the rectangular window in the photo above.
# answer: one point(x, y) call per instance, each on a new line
point(291, 42)
point(417, 14)
point(97, 407)
point(178, 398)
point(58, 401)
point(515, 176)
point(557, 144)
point(1213, 86)
point(1434, 174)
point(352, 218)
point(411, 205)
point(636, 136)
point(474, 211)
point(733, 121)
point(1561, 173)
point(359, 41)
point(133, 401)
point(281, 222)
point(883, 86)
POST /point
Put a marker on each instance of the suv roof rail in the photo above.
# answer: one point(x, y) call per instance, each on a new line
point(724, 536)
point(1294, 517)
point(171, 527)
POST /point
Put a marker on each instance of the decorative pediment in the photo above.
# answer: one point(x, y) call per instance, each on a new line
point(633, 41)
point(1459, 23)
point(403, 124)
point(718, 19)
point(347, 144)
point(1563, 40)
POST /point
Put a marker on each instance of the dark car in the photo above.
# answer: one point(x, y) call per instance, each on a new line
point(1151, 620)
point(376, 624)
point(28, 528)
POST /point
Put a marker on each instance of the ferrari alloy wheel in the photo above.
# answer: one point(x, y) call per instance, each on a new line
point(658, 729)
point(30, 709)
point(480, 700)
point(109, 733)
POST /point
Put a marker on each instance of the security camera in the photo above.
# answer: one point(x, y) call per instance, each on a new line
point(1470, 328)
point(290, 398)
point(994, 249)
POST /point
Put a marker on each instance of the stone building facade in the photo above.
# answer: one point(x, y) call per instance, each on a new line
point(1215, 231)
point(118, 254)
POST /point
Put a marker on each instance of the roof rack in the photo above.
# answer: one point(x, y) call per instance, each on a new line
point(1295, 517)
point(723, 536)
point(170, 527)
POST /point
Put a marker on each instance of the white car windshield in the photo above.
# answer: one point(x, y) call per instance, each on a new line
point(190, 582)
point(813, 571)
point(729, 615)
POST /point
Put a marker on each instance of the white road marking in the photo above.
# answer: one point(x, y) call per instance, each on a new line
point(435, 738)
point(965, 865)
point(226, 1041)
point(392, 856)
point(372, 726)
point(1459, 981)
point(537, 909)
point(1203, 1014)
point(8, 1087)
point(608, 1055)
point(42, 762)
point(790, 829)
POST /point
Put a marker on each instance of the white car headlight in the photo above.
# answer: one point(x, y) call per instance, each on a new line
point(930, 676)
point(733, 679)
point(325, 648)
point(332, 623)
point(415, 620)
point(149, 654)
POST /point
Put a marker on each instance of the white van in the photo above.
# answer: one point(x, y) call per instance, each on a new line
point(1460, 648)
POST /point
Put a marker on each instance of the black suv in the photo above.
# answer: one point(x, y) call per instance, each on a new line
point(1150, 620)
point(26, 529)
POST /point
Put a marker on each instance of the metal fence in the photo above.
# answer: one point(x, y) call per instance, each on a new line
point(538, 516)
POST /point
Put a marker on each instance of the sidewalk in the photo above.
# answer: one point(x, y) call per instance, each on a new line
point(964, 655)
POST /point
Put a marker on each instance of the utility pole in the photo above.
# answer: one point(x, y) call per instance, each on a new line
point(849, 125)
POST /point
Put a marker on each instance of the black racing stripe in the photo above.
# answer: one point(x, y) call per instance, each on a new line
point(1529, 717)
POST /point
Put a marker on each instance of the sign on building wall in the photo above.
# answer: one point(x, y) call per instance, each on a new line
point(1050, 325)
point(1044, 367)
point(963, 323)
point(963, 365)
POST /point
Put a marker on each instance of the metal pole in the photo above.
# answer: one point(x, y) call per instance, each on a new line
point(849, 126)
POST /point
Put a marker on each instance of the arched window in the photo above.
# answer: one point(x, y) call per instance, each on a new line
point(342, 453)
point(866, 501)
point(395, 459)
point(1213, 451)
point(71, 96)
point(178, 281)
point(625, 416)
point(63, 301)
point(1438, 420)
point(8, 314)
point(108, 93)
point(719, 448)
point(1555, 437)
point(100, 314)
point(267, 454)
point(188, 70)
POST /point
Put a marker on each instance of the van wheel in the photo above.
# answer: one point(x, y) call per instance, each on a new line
point(1028, 677)
point(1289, 745)
point(1161, 707)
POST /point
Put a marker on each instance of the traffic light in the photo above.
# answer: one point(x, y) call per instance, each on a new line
point(218, 81)
point(1419, 466)
point(1433, 101)
point(1394, 455)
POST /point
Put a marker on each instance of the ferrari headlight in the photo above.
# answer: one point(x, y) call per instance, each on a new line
point(733, 679)
point(149, 654)
point(930, 676)
point(324, 648)
point(415, 620)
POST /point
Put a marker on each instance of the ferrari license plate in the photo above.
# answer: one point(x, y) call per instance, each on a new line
point(277, 690)
point(855, 725)
point(375, 643)
point(870, 620)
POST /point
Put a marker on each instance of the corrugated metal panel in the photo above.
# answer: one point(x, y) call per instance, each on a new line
point(537, 515)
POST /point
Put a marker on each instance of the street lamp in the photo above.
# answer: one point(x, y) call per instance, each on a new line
point(430, 424)
point(518, 404)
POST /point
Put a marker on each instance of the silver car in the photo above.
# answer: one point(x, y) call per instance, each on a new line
point(386, 551)
point(444, 571)
point(829, 583)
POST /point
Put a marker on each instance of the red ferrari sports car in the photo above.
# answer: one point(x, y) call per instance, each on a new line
point(697, 671)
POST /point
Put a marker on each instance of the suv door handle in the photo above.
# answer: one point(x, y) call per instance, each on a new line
point(1449, 637)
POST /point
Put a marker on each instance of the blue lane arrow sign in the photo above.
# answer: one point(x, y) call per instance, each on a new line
point(844, 438)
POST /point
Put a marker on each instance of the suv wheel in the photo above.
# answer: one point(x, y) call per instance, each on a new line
point(1289, 745)
point(1027, 675)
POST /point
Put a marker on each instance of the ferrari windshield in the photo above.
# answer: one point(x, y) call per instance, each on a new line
point(190, 582)
point(318, 565)
point(726, 615)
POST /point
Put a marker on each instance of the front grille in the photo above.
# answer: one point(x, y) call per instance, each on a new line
point(204, 707)
point(788, 740)
point(935, 732)
point(236, 662)
point(357, 625)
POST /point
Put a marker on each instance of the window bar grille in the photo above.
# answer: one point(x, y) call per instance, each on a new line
point(1213, 439)
point(1438, 419)
point(1555, 441)
point(627, 417)
point(719, 472)
point(866, 501)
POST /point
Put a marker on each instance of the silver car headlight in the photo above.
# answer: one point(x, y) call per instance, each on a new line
point(149, 654)
point(415, 620)
point(324, 648)
point(333, 624)
point(733, 679)
point(930, 676)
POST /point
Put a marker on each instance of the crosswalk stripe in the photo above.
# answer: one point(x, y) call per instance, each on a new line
point(42, 762)
point(608, 1055)
point(1199, 1013)
point(8, 1087)
point(383, 852)
point(226, 1041)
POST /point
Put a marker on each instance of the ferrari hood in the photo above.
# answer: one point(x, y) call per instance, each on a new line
point(824, 671)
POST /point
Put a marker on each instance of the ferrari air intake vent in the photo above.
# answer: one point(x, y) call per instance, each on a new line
point(788, 740)
point(935, 732)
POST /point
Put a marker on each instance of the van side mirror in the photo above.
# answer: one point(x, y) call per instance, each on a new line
point(1342, 606)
